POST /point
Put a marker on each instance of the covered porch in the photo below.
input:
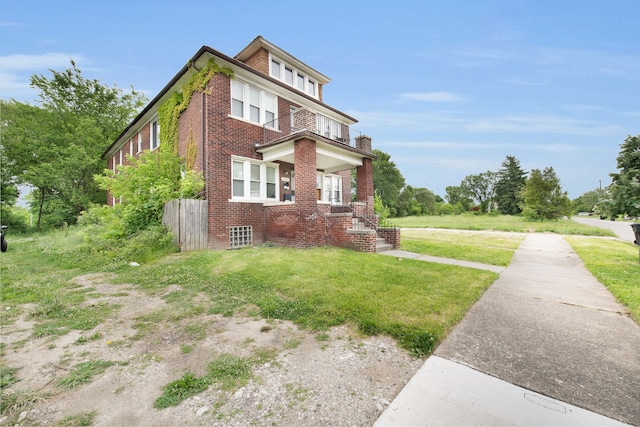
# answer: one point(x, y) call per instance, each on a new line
point(316, 207)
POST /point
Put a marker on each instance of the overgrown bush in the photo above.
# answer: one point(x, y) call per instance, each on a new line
point(143, 187)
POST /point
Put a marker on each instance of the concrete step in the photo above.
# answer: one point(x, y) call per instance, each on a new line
point(382, 245)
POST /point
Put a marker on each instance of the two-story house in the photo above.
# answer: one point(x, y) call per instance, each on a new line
point(276, 159)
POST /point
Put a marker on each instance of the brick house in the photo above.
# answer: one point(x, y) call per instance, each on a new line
point(276, 159)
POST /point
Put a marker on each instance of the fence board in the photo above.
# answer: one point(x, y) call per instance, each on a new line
point(187, 220)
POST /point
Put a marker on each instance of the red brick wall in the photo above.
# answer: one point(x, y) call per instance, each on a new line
point(259, 61)
point(365, 183)
point(280, 227)
point(224, 137)
point(346, 186)
point(391, 236)
point(191, 124)
point(309, 216)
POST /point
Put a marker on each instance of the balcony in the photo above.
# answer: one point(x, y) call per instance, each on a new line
point(305, 120)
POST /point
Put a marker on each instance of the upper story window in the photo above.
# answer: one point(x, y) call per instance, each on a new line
point(293, 77)
point(275, 69)
point(155, 135)
point(253, 104)
point(139, 142)
point(288, 75)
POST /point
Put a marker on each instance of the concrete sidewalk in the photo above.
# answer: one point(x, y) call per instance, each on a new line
point(440, 260)
point(547, 344)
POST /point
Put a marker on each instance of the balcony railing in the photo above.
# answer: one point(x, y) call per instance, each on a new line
point(301, 120)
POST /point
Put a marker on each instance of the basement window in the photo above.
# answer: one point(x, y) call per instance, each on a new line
point(240, 237)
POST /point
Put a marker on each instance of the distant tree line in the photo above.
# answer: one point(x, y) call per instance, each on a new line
point(508, 191)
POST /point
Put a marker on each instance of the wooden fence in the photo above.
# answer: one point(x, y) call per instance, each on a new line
point(187, 220)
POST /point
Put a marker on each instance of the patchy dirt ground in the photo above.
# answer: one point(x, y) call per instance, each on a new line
point(337, 378)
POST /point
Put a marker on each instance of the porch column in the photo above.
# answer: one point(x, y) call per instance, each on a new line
point(365, 184)
point(305, 170)
point(309, 230)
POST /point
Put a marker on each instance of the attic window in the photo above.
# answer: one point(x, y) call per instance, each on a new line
point(275, 69)
point(293, 77)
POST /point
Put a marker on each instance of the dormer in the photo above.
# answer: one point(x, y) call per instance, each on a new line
point(269, 59)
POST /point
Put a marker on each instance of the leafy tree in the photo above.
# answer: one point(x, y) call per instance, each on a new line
point(626, 183)
point(8, 186)
point(416, 201)
point(481, 187)
point(543, 197)
point(508, 187)
point(57, 146)
point(387, 180)
point(606, 205)
point(405, 204)
point(426, 199)
point(457, 195)
point(588, 201)
point(379, 207)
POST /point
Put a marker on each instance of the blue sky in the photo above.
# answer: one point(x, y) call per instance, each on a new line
point(448, 88)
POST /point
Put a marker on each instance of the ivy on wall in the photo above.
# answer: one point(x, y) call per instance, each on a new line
point(170, 111)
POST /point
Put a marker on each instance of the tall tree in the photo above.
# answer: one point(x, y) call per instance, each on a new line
point(511, 180)
point(587, 202)
point(481, 187)
point(8, 186)
point(416, 201)
point(387, 180)
point(457, 195)
point(543, 197)
point(58, 148)
point(626, 183)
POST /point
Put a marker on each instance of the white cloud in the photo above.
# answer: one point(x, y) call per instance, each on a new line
point(518, 81)
point(16, 71)
point(483, 146)
point(433, 96)
point(540, 124)
point(436, 121)
point(45, 61)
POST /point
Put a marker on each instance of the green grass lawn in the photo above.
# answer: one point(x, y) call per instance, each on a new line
point(615, 264)
point(498, 223)
point(414, 301)
point(486, 248)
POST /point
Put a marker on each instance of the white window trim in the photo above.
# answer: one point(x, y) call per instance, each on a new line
point(246, 104)
point(296, 73)
point(151, 147)
point(247, 180)
point(336, 185)
point(139, 143)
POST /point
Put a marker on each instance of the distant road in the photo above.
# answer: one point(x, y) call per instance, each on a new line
point(622, 229)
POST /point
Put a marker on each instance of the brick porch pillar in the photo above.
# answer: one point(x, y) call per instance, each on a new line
point(308, 232)
point(365, 184)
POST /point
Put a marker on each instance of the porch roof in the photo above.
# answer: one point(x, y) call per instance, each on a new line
point(331, 156)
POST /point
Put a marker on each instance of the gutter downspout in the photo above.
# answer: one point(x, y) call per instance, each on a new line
point(204, 160)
